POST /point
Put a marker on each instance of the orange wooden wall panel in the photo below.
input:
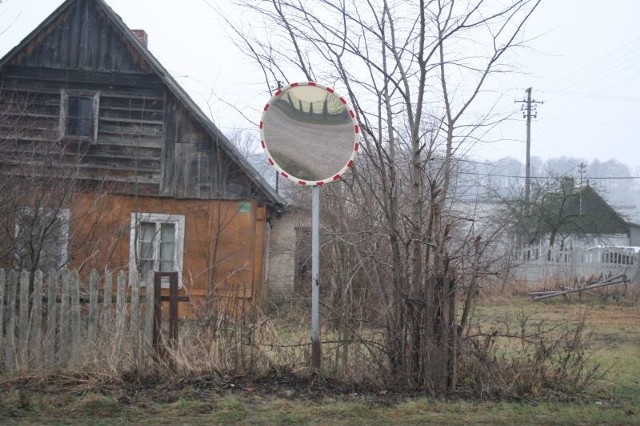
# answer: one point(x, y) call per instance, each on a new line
point(223, 246)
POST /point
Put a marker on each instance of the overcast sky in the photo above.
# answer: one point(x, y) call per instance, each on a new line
point(584, 63)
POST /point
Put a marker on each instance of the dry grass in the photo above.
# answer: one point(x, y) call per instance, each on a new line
point(257, 372)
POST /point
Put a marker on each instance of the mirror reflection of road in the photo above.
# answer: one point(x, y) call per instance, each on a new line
point(307, 150)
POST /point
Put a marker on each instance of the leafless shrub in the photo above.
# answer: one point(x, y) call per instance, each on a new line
point(538, 359)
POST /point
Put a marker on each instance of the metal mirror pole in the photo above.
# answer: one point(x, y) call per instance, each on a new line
point(315, 279)
point(309, 126)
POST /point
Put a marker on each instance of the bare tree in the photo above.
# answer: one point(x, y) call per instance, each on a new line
point(413, 71)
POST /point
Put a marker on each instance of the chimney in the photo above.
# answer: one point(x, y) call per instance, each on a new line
point(142, 36)
point(568, 185)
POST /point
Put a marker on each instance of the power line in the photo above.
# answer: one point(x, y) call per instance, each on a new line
point(613, 58)
point(548, 177)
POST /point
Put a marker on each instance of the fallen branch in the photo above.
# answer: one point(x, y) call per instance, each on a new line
point(618, 279)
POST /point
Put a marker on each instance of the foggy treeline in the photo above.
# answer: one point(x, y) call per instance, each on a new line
point(502, 179)
point(492, 180)
point(495, 180)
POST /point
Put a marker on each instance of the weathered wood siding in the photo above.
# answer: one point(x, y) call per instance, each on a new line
point(148, 141)
point(195, 165)
point(82, 37)
point(130, 125)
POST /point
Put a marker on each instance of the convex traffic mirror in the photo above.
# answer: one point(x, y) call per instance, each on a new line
point(309, 134)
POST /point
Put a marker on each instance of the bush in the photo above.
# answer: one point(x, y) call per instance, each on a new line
point(539, 359)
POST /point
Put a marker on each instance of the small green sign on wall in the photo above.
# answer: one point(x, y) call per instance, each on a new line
point(244, 207)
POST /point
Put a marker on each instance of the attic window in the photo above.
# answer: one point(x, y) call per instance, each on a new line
point(79, 115)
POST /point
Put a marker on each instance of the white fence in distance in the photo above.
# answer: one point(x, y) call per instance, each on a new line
point(543, 264)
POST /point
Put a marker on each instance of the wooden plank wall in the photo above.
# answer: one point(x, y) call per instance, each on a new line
point(130, 125)
point(82, 38)
point(224, 241)
point(148, 141)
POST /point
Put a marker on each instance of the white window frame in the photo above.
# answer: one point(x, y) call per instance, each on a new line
point(64, 115)
point(134, 244)
point(62, 215)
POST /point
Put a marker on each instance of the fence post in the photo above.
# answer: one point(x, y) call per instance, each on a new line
point(36, 330)
point(10, 344)
point(23, 326)
point(75, 319)
point(120, 314)
point(92, 327)
point(107, 306)
point(149, 302)
point(173, 310)
point(157, 315)
point(50, 334)
point(63, 349)
point(135, 331)
point(2, 292)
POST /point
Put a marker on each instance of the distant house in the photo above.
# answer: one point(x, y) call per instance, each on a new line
point(574, 232)
point(155, 184)
point(577, 216)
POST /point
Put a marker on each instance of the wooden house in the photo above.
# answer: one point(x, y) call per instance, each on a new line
point(577, 216)
point(107, 163)
point(574, 233)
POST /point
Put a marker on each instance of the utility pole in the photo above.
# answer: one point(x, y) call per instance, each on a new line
point(582, 170)
point(529, 110)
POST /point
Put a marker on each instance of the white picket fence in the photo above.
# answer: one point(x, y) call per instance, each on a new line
point(54, 321)
point(540, 264)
